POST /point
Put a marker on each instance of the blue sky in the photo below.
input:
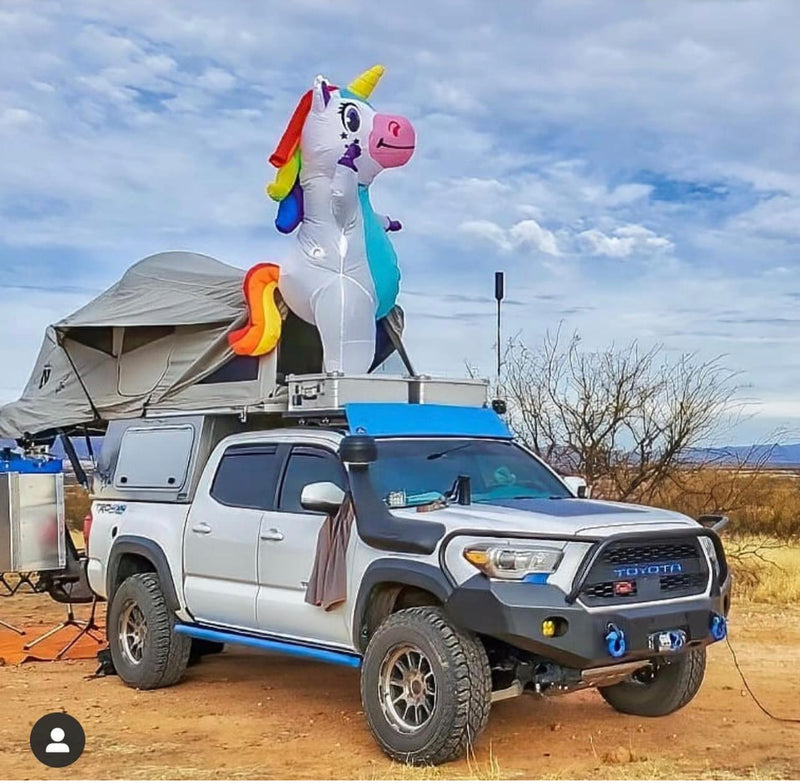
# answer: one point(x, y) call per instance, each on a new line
point(633, 167)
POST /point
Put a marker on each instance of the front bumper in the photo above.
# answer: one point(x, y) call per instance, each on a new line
point(514, 612)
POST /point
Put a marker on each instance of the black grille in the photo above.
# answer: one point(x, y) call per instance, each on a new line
point(650, 553)
point(655, 571)
point(678, 582)
point(600, 591)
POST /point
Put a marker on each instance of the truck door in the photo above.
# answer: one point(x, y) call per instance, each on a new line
point(286, 551)
point(221, 536)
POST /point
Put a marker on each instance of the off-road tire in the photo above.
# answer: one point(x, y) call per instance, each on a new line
point(165, 654)
point(463, 686)
point(673, 686)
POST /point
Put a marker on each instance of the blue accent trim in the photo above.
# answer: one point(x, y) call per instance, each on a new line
point(423, 419)
point(267, 644)
point(381, 257)
point(351, 96)
point(29, 465)
point(538, 578)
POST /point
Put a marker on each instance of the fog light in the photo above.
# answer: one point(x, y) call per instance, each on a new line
point(554, 626)
point(615, 641)
point(719, 627)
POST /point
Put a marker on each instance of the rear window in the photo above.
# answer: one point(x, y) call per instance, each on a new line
point(246, 476)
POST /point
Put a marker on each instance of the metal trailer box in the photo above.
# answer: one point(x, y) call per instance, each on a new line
point(329, 392)
point(32, 517)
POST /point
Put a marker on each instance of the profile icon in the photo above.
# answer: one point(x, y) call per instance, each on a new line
point(57, 740)
point(57, 745)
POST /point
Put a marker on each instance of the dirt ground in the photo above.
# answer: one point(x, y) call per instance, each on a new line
point(243, 715)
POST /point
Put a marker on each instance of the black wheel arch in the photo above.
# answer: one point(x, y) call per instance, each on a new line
point(383, 583)
point(126, 548)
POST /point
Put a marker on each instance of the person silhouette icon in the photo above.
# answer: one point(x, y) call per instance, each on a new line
point(57, 746)
point(57, 740)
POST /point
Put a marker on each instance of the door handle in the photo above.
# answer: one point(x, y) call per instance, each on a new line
point(201, 528)
point(272, 535)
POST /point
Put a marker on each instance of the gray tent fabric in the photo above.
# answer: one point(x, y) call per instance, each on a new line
point(174, 288)
point(144, 343)
point(327, 586)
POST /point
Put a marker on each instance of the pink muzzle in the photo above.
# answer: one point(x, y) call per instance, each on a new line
point(391, 140)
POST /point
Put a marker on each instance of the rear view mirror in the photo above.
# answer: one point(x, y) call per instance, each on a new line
point(577, 486)
point(323, 497)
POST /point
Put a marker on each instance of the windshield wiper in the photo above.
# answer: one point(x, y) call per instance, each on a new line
point(539, 497)
point(437, 455)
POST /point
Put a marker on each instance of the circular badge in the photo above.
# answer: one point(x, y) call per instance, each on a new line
point(57, 740)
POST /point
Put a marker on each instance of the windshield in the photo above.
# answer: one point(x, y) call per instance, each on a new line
point(420, 471)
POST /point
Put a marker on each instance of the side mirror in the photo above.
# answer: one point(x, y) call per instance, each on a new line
point(323, 497)
point(577, 486)
point(360, 450)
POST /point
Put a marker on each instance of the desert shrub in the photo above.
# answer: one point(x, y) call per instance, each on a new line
point(759, 502)
point(76, 506)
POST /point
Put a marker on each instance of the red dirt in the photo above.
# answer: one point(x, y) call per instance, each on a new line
point(246, 715)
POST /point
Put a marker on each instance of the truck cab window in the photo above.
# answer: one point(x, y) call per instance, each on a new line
point(247, 476)
point(307, 465)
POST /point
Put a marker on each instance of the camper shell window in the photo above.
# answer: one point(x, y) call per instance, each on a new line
point(154, 458)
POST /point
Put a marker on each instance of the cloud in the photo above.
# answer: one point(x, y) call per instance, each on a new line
point(216, 79)
point(526, 234)
point(623, 242)
point(555, 139)
point(13, 117)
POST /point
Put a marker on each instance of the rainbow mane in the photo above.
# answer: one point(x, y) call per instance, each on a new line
point(285, 188)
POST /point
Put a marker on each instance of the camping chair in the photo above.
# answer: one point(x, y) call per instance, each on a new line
point(23, 578)
point(70, 586)
point(10, 591)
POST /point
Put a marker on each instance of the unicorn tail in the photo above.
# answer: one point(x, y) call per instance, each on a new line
point(263, 328)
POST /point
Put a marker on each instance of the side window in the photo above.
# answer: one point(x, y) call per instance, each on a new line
point(246, 476)
point(307, 465)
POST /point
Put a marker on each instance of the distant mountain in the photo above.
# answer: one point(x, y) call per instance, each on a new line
point(773, 455)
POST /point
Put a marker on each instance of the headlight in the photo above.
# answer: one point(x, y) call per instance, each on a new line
point(513, 563)
point(711, 552)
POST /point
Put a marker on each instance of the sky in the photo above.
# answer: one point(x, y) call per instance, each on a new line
point(634, 168)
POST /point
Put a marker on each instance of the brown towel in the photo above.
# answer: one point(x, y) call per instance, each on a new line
point(327, 586)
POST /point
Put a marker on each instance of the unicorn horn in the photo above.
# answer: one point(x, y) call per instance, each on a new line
point(364, 84)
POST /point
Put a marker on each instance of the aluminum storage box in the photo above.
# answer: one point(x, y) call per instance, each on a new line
point(319, 393)
point(32, 517)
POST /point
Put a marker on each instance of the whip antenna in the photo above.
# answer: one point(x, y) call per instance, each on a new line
point(498, 404)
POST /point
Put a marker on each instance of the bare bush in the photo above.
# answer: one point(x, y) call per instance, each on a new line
point(626, 419)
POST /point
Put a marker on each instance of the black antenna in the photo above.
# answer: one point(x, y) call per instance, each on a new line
point(499, 292)
point(498, 404)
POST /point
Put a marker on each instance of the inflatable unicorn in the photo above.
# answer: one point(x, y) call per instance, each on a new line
point(342, 273)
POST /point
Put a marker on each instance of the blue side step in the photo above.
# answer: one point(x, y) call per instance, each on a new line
point(279, 646)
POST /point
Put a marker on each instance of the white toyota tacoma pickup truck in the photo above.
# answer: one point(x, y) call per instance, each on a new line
point(473, 571)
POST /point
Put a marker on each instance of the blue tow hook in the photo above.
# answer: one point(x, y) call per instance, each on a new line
point(615, 641)
point(719, 627)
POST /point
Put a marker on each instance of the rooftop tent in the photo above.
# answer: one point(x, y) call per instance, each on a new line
point(155, 343)
point(155, 340)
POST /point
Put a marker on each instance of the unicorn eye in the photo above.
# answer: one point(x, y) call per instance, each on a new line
point(351, 119)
